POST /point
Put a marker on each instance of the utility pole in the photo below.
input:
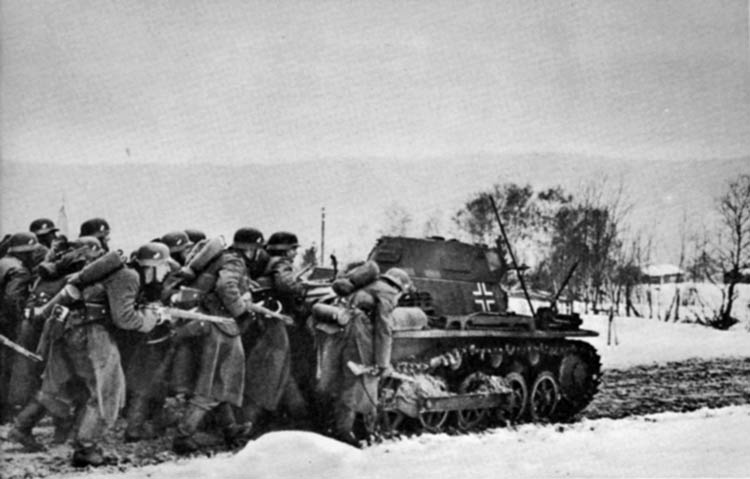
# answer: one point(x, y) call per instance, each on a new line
point(322, 235)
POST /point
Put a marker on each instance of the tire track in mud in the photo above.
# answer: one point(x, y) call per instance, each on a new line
point(677, 387)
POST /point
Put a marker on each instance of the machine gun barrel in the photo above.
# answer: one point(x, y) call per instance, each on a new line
point(19, 349)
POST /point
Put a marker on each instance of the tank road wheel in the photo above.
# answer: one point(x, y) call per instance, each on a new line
point(433, 421)
point(579, 376)
point(519, 397)
point(545, 395)
point(470, 418)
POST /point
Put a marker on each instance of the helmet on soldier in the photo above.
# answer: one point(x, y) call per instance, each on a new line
point(42, 226)
point(93, 247)
point(152, 254)
point(282, 241)
point(22, 243)
point(247, 238)
point(95, 227)
point(176, 241)
point(195, 235)
point(399, 278)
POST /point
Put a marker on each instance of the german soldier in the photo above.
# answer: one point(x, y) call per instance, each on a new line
point(24, 383)
point(288, 290)
point(98, 228)
point(110, 295)
point(368, 341)
point(220, 378)
point(15, 279)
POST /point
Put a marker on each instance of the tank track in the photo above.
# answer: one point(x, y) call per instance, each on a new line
point(551, 381)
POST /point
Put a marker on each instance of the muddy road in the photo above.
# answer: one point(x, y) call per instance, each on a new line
point(678, 387)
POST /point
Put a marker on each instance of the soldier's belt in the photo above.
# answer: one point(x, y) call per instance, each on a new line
point(96, 312)
point(90, 313)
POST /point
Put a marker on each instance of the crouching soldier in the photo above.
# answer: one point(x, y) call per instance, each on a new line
point(220, 376)
point(109, 295)
point(367, 340)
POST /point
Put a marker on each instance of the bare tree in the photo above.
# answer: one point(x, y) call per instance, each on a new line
point(398, 221)
point(734, 245)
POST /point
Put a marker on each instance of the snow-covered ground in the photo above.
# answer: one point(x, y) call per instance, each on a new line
point(647, 341)
point(705, 443)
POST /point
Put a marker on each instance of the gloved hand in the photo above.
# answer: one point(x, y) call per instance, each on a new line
point(186, 272)
point(245, 320)
point(383, 371)
point(163, 316)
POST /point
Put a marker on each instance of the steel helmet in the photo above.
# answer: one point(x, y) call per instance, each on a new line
point(152, 254)
point(176, 241)
point(399, 278)
point(92, 242)
point(95, 227)
point(195, 235)
point(246, 238)
point(42, 226)
point(282, 241)
point(22, 243)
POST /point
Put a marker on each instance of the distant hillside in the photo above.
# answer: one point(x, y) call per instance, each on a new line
point(145, 200)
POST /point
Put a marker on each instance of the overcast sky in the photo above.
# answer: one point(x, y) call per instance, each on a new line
point(234, 80)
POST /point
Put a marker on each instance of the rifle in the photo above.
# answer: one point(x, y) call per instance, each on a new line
point(177, 313)
point(362, 370)
point(19, 349)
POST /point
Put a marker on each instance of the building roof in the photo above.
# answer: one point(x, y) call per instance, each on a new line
point(662, 270)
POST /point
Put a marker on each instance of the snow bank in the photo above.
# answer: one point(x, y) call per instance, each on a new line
point(707, 443)
point(647, 341)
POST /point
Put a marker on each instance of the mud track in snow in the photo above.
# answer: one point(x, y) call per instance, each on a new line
point(678, 387)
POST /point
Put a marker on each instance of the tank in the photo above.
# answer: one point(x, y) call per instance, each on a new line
point(476, 363)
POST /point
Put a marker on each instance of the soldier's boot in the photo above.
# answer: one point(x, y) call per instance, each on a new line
point(87, 454)
point(136, 418)
point(184, 441)
point(89, 428)
point(24, 423)
point(344, 426)
point(63, 429)
point(235, 435)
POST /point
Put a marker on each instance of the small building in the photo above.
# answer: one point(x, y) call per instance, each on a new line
point(662, 274)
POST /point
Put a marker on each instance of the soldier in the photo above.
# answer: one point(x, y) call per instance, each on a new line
point(179, 245)
point(220, 378)
point(99, 228)
point(288, 290)
point(46, 234)
point(25, 381)
point(109, 297)
point(15, 279)
point(268, 358)
point(368, 340)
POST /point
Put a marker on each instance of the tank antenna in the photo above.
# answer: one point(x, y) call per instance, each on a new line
point(512, 256)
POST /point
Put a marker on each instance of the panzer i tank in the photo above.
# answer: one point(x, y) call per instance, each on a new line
point(473, 363)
